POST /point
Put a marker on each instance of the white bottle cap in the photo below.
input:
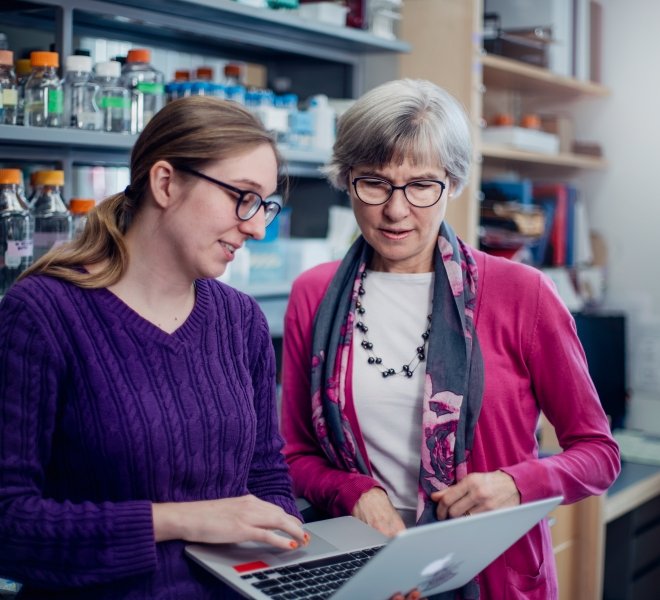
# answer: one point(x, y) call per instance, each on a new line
point(108, 69)
point(79, 63)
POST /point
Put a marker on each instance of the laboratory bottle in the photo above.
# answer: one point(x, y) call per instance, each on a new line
point(23, 70)
point(146, 85)
point(8, 88)
point(44, 99)
point(114, 100)
point(80, 108)
point(53, 224)
point(79, 207)
point(16, 229)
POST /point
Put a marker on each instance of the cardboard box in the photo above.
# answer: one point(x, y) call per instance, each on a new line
point(562, 127)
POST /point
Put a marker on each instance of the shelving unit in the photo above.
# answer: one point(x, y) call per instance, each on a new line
point(318, 57)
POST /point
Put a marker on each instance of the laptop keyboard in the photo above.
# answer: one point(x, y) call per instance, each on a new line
point(311, 580)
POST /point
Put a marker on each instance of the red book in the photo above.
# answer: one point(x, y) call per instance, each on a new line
point(558, 195)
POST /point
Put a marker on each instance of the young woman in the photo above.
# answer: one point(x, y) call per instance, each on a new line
point(415, 369)
point(137, 395)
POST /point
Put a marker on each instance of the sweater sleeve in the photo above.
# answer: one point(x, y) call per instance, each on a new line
point(45, 541)
point(331, 489)
point(589, 462)
point(269, 475)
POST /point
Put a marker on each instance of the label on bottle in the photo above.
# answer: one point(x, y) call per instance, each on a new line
point(17, 251)
point(55, 102)
point(147, 87)
point(9, 97)
point(114, 102)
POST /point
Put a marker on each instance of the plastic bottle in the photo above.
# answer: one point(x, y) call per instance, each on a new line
point(53, 224)
point(79, 207)
point(114, 100)
point(23, 70)
point(324, 123)
point(80, 108)
point(234, 89)
point(8, 88)
point(146, 85)
point(44, 98)
point(16, 229)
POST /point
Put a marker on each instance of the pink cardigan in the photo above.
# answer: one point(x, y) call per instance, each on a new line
point(533, 362)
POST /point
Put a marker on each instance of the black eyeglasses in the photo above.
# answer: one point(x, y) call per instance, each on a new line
point(421, 193)
point(248, 203)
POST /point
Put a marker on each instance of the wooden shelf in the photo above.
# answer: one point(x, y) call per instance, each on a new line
point(505, 73)
point(508, 154)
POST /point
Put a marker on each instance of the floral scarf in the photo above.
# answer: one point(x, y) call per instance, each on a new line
point(454, 371)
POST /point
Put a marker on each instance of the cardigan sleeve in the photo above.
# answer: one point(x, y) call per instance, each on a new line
point(45, 541)
point(589, 462)
point(325, 486)
point(269, 475)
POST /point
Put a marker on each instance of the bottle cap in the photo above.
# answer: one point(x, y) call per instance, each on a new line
point(182, 75)
point(10, 176)
point(138, 55)
point(232, 70)
point(110, 68)
point(78, 63)
point(48, 178)
point(44, 59)
point(23, 66)
point(79, 206)
point(6, 57)
point(204, 73)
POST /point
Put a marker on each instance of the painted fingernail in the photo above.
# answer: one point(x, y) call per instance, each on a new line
point(293, 544)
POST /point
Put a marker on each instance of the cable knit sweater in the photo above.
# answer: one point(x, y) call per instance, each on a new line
point(102, 413)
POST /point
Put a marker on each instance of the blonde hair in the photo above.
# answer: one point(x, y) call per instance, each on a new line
point(189, 132)
point(403, 119)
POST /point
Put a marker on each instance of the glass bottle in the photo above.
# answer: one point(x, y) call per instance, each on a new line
point(79, 207)
point(16, 229)
point(44, 100)
point(114, 100)
point(8, 87)
point(23, 70)
point(80, 108)
point(53, 224)
point(146, 85)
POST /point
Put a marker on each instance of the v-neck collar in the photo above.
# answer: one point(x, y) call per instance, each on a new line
point(189, 329)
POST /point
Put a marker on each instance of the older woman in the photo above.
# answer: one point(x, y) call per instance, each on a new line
point(416, 368)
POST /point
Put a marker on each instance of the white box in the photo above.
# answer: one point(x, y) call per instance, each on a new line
point(326, 12)
point(522, 139)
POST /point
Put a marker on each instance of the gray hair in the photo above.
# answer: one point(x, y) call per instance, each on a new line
point(404, 119)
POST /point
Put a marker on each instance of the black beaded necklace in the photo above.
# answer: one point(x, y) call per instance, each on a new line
point(407, 369)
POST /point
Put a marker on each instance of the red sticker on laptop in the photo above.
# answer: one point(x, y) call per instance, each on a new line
point(251, 566)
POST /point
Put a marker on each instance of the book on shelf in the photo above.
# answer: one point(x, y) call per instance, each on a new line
point(557, 194)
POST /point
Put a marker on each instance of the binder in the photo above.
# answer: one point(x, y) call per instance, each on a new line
point(556, 193)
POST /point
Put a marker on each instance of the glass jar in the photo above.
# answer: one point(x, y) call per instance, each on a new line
point(44, 97)
point(53, 224)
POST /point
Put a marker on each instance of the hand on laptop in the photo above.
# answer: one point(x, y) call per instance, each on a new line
point(477, 492)
point(228, 520)
point(375, 509)
point(411, 595)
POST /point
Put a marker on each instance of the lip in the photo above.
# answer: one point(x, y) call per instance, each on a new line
point(229, 255)
point(396, 235)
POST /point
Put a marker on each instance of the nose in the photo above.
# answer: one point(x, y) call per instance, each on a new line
point(397, 207)
point(256, 226)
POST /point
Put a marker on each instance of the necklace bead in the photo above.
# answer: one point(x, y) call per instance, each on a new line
point(408, 369)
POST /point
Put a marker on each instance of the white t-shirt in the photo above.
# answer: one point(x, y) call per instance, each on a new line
point(389, 409)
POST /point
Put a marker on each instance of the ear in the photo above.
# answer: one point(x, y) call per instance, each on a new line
point(161, 176)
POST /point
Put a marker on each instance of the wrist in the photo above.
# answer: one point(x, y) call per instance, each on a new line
point(168, 522)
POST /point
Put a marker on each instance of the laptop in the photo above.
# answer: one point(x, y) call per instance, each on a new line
point(347, 559)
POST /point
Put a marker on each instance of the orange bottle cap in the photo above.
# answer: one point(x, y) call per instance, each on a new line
point(182, 75)
point(81, 206)
point(6, 57)
point(48, 178)
point(232, 70)
point(44, 59)
point(10, 176)
point(138, 55)
point(23, 66)
point(204, 73)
